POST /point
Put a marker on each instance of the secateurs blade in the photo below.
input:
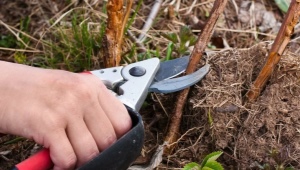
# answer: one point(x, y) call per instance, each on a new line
point(130, 84)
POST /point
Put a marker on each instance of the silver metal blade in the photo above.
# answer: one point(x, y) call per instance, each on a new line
point(171, 68)
point(176, 84)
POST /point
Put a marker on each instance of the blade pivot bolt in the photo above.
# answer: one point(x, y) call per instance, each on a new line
point(137, 71)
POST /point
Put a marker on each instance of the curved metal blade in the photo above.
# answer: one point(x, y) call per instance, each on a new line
point(171, 68)
point(176, 84)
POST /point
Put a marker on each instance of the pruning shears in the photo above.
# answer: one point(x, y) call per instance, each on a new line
point(131, 85)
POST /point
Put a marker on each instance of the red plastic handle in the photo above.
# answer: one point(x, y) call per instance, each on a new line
point(39, 161)
point(86, 72)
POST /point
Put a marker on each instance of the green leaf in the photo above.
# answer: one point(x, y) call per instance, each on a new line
point(132, 52)
point(24, 26)
point(15, 140)
point(207, 13)
point(185, 34)
point(206, 168)
point(283, 5)
point(7, 41)
point(169, 51)
point(171, 37)
point(211, 157)
point(132, 19)
point(187, 39)
point(192, 166)
point(265, 167)
point(193, 41)
point(20, 58)
point(214, 165)
point(214, 156)
point(210, 118)
point(290, 168)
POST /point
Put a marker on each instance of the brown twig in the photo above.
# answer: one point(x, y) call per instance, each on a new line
point(132, 37)
point(278, 47)
point(150, 19)
point(112, 41)
point(204, 37)
point(125, 19)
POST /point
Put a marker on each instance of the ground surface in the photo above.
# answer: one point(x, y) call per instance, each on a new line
point(217, 116)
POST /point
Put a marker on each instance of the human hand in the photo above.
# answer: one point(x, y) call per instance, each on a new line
point(73, 115)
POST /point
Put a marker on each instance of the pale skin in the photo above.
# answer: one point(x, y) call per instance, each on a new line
point(73, 115)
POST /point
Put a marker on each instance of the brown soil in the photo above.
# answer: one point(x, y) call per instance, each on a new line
point(249, 134)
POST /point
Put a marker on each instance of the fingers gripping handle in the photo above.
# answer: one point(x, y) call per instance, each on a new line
point(119, 156)
point(39, 161)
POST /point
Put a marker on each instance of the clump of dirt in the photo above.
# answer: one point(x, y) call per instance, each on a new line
point(13, 150)
point(250, 134)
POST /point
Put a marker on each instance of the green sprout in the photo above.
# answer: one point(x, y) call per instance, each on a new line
point(283, 5)
point(208, 163)
point(180, 42)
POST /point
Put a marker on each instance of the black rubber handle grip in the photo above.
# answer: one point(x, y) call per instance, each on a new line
point(124, 152)
point(119, 156)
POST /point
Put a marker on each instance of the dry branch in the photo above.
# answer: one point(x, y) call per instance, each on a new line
point(278, 47)
point(204, 37)
point(150, 19)
point(112, 41)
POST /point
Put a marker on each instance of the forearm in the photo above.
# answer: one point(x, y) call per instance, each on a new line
point(13, 82)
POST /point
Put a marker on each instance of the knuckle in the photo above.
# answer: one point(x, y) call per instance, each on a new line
point(65, 79)
point(101, 85)
point(91, 153)
point(72, 82)
point(74, 88)
point(108, 141)
point(98, 83)
point(125, 122)
point(82, 89)
point(124, 126)
point(69, 161)
point(67, 86)
point(54, 122)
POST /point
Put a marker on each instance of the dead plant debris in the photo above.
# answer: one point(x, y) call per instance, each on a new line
point(248, 133)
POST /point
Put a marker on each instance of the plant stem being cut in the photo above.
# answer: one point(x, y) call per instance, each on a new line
point(204, 37)
point(278, 47)
point(116, 22)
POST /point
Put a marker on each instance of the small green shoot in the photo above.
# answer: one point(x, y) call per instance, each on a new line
point(129, 56)
point(24, 27)
point(182, 40)
point(280, 159)
point(15, 140)
point(169, 51)
point(148, 54)
point(7, 41)
point(20, 57)
point(192, 166)
point(208, 163)
point(283, 5)
point(210, 118)
point(75, 46)
point(211, 46)
point(132, 18)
